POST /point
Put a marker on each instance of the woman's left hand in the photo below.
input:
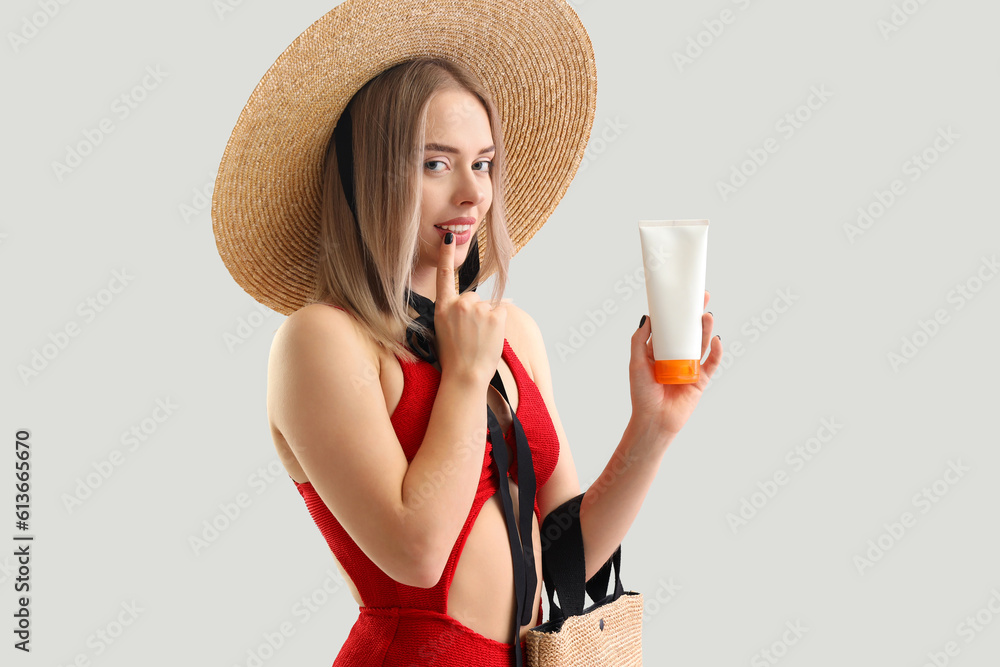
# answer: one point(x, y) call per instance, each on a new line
point(667, 407)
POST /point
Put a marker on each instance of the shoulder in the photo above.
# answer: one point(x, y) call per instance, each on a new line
point(320, 319)
point(525, 336)
point(317, 351)
point(319, 333)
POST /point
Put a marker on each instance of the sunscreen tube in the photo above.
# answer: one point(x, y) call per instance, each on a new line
point(674, 256)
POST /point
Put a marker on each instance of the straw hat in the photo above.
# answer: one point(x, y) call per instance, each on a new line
point(534, 56)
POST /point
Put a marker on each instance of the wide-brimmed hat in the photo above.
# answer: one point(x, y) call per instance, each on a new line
point(534, 56)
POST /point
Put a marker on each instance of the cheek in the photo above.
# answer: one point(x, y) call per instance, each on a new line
point(430, 197)
point(427, 209)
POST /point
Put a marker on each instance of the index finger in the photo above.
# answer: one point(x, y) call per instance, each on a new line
point(446, 288)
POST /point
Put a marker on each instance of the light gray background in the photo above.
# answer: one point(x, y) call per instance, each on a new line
point(664, 137)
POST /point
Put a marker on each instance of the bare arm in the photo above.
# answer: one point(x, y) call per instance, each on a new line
point(612, 502)
point(325, 397)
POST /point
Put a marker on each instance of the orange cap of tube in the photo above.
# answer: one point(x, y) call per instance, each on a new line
point(677, 371)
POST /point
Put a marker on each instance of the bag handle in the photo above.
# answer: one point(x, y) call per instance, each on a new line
point(564, 563)
point(521, 550)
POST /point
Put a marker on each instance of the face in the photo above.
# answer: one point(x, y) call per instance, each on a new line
point(456, 168)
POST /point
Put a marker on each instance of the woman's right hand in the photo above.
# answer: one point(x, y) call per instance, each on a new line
point(469, 333)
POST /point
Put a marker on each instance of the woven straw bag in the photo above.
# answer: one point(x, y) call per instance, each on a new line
point(606, 634)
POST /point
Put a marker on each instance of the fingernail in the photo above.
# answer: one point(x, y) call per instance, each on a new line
point(642, 321)
point(449, 237)
point(719, 336)
point(710, 313)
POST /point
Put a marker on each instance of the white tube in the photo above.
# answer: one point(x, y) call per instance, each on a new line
point(674, 257)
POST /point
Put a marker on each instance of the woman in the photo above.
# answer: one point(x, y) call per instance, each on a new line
point(388, 447)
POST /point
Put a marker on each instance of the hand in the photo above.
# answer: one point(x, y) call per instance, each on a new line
point(469, 333)
point(667, 407)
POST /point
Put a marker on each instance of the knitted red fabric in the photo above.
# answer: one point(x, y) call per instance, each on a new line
point(403, 625)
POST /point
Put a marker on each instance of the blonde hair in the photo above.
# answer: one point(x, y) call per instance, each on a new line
point(365, 264)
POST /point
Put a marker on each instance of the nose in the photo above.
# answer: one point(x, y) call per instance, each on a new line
point(468, 188)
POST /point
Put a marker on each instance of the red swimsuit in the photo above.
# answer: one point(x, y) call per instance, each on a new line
point(404, 625)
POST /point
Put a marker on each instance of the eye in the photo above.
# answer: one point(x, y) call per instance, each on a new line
point(433, 162)
point(488, 163)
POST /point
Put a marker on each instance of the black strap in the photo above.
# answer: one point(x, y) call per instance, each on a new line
point(343, 135)
point(523, 558)
point(521, 552)
point(469, 271)
point(564, 564)
point(422, 345)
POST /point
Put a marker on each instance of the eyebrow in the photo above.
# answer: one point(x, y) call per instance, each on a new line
point(449, 149)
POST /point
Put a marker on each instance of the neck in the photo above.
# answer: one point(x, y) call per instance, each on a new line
point(423, 281)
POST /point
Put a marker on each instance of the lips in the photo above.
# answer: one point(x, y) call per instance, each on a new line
point(461, 237)
point(458, 221)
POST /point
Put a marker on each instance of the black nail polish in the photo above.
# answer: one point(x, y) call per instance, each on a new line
point(642, 321)
point(449, 237)
point(710, 313)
